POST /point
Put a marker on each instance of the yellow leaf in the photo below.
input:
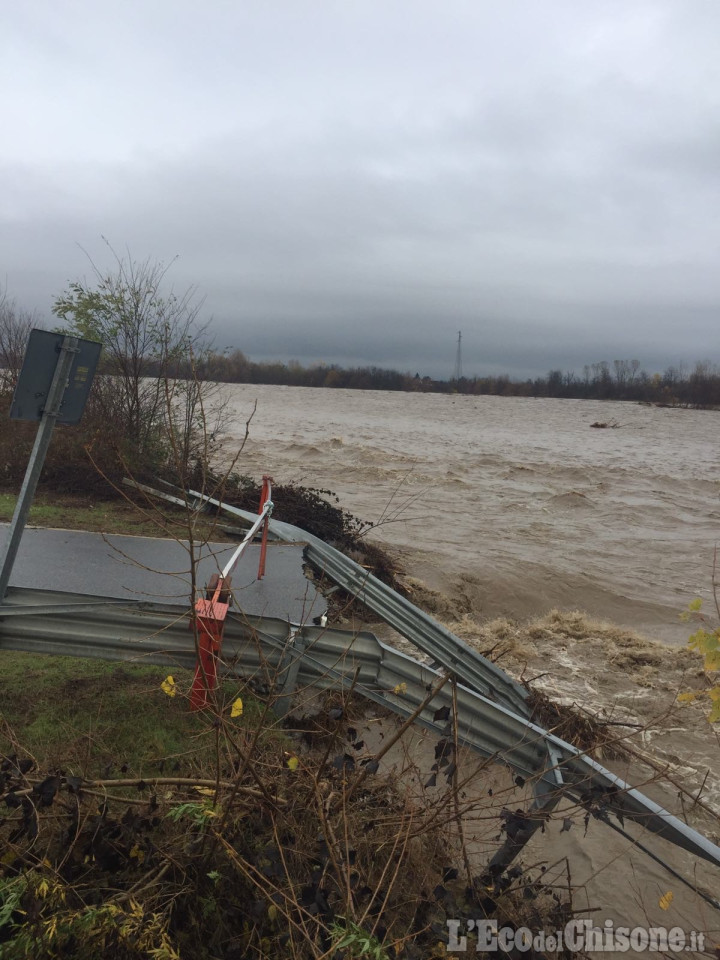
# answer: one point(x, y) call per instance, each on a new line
point(695, 605)
point(712, 660)
point(137, 854)
point(206, 791)
point(666, 899)
point(687, 697)
point(293, 763)
point(168, 686)
point(272, 912)
point(714, 715)
point(698, 640)
point(400, 688)
point(237, 708)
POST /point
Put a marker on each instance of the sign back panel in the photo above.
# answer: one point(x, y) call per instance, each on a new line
point(37, 373)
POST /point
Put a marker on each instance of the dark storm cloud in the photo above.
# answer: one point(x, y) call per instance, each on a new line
point(356, 183)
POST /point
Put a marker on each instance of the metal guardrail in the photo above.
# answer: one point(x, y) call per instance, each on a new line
point(272, 650)
point(427, 634)
point(573, 773)
point(419, 628)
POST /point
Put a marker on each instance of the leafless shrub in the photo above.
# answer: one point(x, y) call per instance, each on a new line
point(15, 326)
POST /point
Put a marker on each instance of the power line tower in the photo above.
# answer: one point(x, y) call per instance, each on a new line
point(457, 375)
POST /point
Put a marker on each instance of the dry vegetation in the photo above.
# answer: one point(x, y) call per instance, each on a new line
point(252, 839)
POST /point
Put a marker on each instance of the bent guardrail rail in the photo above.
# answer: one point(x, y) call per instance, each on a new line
point(435, 640)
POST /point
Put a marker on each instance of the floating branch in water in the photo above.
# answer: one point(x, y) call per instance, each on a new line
point(605, 424)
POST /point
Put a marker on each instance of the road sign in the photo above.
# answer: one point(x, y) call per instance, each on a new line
point(53, 386)
point(33, 387)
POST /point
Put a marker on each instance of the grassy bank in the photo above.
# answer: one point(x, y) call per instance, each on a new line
point(82, 512)
point(88, 717)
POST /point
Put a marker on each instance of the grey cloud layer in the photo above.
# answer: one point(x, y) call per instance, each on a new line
point(354, 183)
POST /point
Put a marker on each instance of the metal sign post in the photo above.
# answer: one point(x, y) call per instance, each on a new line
point(47, 406)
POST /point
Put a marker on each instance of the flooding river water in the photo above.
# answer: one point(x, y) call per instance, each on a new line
point(511, 506)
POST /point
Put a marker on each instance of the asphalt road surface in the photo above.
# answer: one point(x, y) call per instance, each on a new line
point(149, 568)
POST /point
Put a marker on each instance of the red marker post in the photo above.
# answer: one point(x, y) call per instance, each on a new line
point(265, 496)
point(211, 611)
point(209, 619)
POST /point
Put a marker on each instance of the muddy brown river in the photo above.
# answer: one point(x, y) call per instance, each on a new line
point(513, 505)
point(567, 551)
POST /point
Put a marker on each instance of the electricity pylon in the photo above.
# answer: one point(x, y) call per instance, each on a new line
point(458, 359)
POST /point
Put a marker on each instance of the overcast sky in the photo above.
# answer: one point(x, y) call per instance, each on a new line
point(355, 181)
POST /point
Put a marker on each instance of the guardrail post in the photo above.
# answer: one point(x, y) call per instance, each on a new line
point(520, 827)
point(295, 647)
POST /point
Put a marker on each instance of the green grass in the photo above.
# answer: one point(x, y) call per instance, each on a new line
point(85, 716)
point(71, 513)
point(108, 516)
point(90, 716)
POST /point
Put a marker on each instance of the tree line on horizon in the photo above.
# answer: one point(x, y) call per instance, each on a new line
point(193, 357)
point(621, 380)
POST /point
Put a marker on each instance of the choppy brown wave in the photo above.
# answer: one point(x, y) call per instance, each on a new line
point(518, 497)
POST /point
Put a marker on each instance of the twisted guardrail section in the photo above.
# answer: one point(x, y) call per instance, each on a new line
point(492, 712)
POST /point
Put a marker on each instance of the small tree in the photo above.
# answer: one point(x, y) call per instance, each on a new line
point(152, 340)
